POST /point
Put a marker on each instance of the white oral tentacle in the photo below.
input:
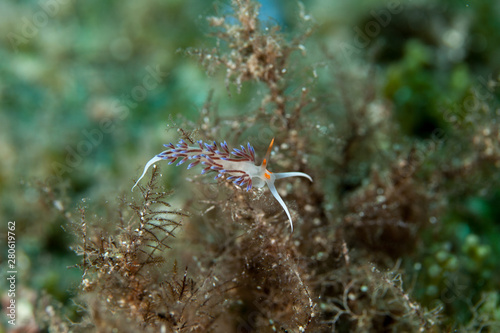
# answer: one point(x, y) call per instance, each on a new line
point(282, 175)
point(282, 203)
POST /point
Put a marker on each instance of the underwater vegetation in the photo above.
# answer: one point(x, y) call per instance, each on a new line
point(391, 108)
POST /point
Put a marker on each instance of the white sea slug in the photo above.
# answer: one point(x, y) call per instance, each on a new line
point(237, 165)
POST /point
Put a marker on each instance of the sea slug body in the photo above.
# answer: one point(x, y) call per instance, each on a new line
point(237, 165)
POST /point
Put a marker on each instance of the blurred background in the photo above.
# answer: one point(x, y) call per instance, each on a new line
point(89, 92)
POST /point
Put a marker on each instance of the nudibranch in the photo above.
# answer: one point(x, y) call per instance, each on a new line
point(237, 165)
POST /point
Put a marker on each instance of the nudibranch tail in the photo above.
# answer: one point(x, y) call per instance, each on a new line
point(151, 162)
point(282, 175)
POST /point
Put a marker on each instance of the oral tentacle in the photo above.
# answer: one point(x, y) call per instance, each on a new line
point(275, 193)
point(282, 175)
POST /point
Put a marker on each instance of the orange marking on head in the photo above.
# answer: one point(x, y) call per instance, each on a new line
point(268, 176)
